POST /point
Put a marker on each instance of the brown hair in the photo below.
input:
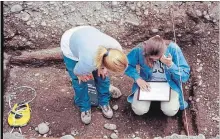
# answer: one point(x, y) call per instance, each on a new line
point(113, 59)
point(154, 46)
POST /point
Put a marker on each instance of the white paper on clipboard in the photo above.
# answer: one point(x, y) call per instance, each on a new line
point(160, 91)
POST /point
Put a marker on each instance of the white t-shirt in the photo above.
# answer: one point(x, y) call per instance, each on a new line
point(158, 72)
point(82, 43)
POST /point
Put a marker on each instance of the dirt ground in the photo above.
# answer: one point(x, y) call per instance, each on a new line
point(33, 26)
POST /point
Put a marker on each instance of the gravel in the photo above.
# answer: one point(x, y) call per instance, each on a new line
point(198, 13)
point(155, 30)
point(14, 135)
point(199, 69)
point(176, 136)
point(25, 16)
point(114, 136)
point(42, 128)
point(67, 137)
point(115, 107)
point(110, 126)
point(16, 8)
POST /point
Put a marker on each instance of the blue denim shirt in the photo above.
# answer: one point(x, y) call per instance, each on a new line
point(173, 75)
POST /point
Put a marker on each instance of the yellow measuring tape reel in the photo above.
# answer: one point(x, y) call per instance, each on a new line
point(20, 114)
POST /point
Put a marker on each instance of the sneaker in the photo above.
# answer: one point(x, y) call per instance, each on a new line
point(107, 111)
point(86, 116)
point(114, 91)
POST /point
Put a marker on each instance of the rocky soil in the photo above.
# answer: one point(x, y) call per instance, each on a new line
point(32, 32)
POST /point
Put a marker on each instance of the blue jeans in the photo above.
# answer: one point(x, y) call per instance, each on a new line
point(81, 98)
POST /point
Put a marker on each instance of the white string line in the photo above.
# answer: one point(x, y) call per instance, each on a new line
point(23, 87)
point(174, 33)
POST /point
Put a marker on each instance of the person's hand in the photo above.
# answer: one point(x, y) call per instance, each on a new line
point(84, 78)
point(166, 60)
point(103, 72)
point(143, 85)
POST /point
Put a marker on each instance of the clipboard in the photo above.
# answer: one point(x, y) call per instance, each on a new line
point(160, 91)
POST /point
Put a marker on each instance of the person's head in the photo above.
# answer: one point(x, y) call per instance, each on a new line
point(153, 49)
point(113, 59)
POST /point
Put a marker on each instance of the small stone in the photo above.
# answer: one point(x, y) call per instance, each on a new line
point(37, 74)
point(154, 30)
point(74, 133)
point(114, 3)
point(136, 132)
point(43, 128)
point(201, 136)
point(116, 131)
point(197, 100)
point(110, 126)
point(67, 137)
point(28, 23)
point(198, 13)
point(182, 132)
point(139, 4)
point(132, 8)
point(198, 60)
point(214, 41)
point(133, 136)
point(200, 83)
point(47, 123)
point(115, 107)
point(158, 138)
point(73, 9)
point(138, 13)
point(199, 77)
point(186, 87)
point(145, 12)
point(36, 129)
point(137, 138)
point(105, 137)
point(199, 69)
point(132, 21)
point(43, 23)
point(179, 35)
point(216, 119)
point(114, 136)
point(45, 135)
point(33, 25)
point(204, 12)
point(109, 19)
point(174, 136)
point(25, 16)
point(16, 8)
point(207, 17)
point(116, 115)
point(17, 134)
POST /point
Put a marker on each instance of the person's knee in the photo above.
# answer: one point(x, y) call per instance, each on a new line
point(170, 111)
point(140, 110)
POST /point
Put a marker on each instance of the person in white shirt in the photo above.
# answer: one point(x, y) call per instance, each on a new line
point(89, 53)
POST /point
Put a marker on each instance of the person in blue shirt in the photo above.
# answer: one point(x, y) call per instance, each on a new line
point(159, 60)
point(89, 53)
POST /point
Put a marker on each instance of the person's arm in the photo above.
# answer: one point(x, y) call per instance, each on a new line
point(179, 67)
point(131, 70)
point(84, 66)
